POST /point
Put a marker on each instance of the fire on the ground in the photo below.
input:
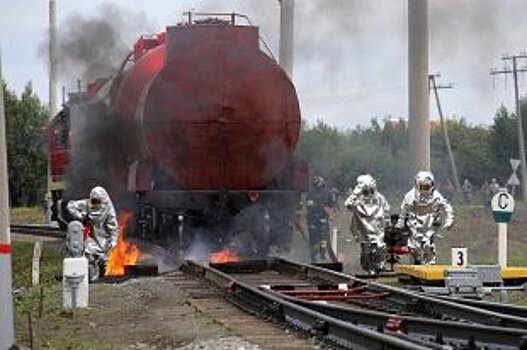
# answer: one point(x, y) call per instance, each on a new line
point(124, 253)
point(224, 256)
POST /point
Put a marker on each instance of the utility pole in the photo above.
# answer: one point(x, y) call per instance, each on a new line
point(521, 144)
point(52, 59)
point(453, 168)
point(418, 94)
point(7, 333)
point(287, 34)
point(52, 91)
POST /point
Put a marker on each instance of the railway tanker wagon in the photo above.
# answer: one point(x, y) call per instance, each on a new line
point(205, 125)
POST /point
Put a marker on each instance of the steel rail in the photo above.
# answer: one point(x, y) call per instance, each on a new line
point(435, 307)
point(453, 333)
point(509, 309)
point(281, 311)
point(457, 334)
point(38, 230)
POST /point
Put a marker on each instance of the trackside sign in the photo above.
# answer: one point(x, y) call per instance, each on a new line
point(502, 206)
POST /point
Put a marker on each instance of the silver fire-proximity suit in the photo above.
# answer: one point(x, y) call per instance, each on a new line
point(369, 215)
point(98, 211)
point(424, 209)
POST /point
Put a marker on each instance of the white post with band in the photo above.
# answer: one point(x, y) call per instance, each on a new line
point(7, 332)
point(502, 208)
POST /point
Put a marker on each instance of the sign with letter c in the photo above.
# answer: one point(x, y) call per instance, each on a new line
point(502, 206)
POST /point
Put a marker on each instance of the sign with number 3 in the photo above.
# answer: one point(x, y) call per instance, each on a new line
point(459, 256)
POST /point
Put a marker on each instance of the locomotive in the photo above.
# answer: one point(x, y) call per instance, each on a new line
point(195, 132)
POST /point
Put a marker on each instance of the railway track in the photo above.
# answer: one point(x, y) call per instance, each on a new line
point(280, 290)
point(210, 301)
point(516, 310)
point(410, 302)
point(38, 230)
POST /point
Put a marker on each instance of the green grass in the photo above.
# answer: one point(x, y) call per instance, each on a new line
point(27, 298)
point(27, 215)
point(50, 265)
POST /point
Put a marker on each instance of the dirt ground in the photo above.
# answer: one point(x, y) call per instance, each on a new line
point(145, 313)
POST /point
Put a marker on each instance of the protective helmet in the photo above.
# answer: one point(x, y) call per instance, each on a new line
point(367, 185)
point(98, 197)
point(318, 181)
point(424, 182)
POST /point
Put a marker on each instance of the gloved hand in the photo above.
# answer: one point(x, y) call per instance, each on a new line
point(352, 202)
point(357, 190)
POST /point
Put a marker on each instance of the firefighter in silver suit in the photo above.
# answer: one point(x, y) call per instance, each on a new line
point(423, 211)
point(369, 216)
point(97, 211)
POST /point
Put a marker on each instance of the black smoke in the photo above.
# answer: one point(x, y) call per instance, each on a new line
point(90, 47)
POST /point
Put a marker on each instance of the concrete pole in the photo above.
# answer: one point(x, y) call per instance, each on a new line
point(444, 125)
point(519, 121)
point(287, 29)
point(418, 99)
point(52, 90)
point(7, 333)
point(52, 60)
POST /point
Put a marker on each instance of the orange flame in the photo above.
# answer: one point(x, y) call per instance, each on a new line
point(224, 256)
point(124, 253)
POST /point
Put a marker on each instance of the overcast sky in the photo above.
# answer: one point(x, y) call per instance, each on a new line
point(350, 55)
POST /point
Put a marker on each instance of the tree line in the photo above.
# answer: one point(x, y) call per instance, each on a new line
point(380, 148)
point(26, 119)
point(481, 152)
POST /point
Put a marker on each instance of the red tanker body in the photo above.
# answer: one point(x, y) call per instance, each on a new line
point(209, 120)
point(212, 108)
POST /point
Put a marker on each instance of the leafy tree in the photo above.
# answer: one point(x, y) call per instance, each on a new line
point(471, 148)
point(25, 122)
point(382, 150)
point(340, 156)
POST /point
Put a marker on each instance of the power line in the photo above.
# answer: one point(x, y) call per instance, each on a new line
point(432, 84)
point(521, 145)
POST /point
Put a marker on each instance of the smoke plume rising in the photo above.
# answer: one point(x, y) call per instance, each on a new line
point(93, 47)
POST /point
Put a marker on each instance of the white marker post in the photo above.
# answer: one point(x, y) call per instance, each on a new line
point(502, 207)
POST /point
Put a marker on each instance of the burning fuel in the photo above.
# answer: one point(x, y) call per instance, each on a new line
point(224, 256)
point(124, 253)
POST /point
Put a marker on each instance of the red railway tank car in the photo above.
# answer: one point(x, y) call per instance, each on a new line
point(205, 124)
point(212, 108)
